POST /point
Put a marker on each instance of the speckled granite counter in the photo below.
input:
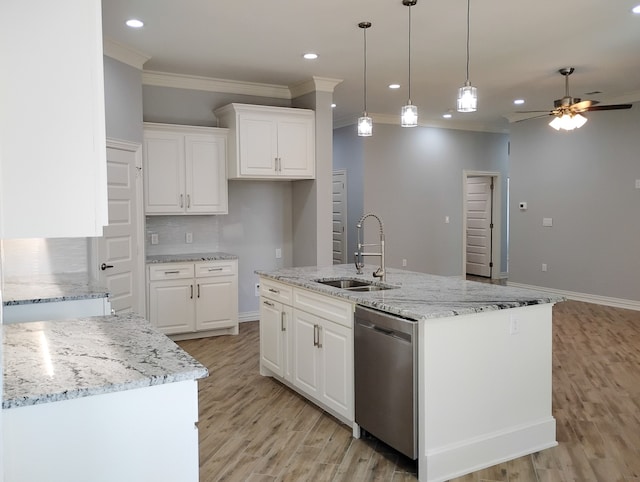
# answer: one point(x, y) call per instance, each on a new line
point(188, 257)
point(52, 361)
point(50, 288)
point(416, 296)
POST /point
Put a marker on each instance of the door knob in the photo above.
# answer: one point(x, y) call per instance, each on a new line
point(104, 266)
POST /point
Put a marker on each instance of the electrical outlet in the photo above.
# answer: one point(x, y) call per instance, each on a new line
point(188, 238)
point(404, 262)
point(544, 267)
point(514, 326)
point(278, 253)
point(154, 238)
point(257, 289)
point(446, 219)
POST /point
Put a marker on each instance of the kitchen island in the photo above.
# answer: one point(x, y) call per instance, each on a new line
point(484, 358)
point(104, 398)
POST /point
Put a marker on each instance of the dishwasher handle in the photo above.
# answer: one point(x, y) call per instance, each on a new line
point(384, 331)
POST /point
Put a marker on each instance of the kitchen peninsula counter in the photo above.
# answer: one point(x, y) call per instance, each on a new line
point(107, 397)
point(483, 358)
point(189, 257)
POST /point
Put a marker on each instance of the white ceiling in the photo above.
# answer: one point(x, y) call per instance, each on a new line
point(516, 49)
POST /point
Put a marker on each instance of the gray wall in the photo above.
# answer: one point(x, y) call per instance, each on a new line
point(260, 212)
point(413, 179)
point(585, 181)
point(123, 100)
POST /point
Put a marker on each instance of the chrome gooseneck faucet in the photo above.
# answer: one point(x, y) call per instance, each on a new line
point(358, 255)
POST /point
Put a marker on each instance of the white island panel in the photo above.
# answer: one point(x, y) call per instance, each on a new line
point(485, 390)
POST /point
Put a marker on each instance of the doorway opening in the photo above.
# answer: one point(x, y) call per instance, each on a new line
point(482, 226)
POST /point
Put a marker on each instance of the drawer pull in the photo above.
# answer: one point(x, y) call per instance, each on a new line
point(172, 272)
point(191, 291)
point(268, 303)
point(181, 200)
point(274, 291)
point(188, 201)
point(216, 269)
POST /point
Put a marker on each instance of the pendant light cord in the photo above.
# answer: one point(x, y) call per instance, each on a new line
point(468, 27)
point(409, 54)
point(365, 69)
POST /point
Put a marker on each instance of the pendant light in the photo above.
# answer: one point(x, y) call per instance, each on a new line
point(365, 123)
point(467, 94)
point(409, 115)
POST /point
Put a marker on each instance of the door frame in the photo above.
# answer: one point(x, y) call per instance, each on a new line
point(345, 254)
point(496, 234)
point(136, 148)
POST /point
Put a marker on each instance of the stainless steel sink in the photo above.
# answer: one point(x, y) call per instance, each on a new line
point(354, 284)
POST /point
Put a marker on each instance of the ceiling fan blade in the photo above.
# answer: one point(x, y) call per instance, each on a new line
point(582, 106)
point(609, 107)
point(532, 111)
point(534, 117)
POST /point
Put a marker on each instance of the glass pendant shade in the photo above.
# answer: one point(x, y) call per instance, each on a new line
point(409, 116)
point(365, 126)
point(568, 122)
point(467, 98)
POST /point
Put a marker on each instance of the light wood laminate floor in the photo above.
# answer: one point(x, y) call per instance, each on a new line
point(253, 428)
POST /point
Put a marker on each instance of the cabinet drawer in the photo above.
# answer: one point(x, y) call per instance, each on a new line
point(215, 268)
point(329, 308)
point(276, 291)
point(170, 271)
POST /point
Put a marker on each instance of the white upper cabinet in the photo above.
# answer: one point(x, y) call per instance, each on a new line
point(269, 142)
point(185, 169)
point(53, 171)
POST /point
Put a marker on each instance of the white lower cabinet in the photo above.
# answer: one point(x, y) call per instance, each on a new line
point(190, 300)
point(306, 339)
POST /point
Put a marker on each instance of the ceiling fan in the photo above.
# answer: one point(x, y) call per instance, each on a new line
point(568, 111)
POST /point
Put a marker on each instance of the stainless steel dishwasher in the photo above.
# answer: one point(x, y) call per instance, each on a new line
point(386, 377)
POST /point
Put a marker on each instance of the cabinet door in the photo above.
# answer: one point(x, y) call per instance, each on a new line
point(164, 173)
point(171, 306)
point(216, 302)
point(53, 170)
point(258, 140)
point(206, 174)
point(306, 354)
point(336, 365)
point(296, 148)
point(272, 325)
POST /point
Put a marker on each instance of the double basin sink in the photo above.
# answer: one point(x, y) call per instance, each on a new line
point(355, 285)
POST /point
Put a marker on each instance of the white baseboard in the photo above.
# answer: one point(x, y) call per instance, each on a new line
point(471, 455)
point(248, 316)
point(587, 298)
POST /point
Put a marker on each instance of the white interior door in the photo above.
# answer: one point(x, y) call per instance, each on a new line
point(117, 255)
point(339, 217)
point(479, 225)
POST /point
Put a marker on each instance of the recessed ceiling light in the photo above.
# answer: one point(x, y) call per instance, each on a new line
point(135, 23)
point(310, 56)
point(518, 101)
point(333, 106)
point(394, 86)
point(636, 9)
point(447, 116)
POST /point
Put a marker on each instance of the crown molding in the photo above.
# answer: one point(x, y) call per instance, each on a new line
point(210, 84)
point(123, 53)
point(315, 84)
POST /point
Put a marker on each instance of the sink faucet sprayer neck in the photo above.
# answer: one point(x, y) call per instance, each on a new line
point(380, 272)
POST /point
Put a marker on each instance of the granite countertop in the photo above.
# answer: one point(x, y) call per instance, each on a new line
point(49, 361)
point(188, 257)
point(416, 296)
point(50, 288)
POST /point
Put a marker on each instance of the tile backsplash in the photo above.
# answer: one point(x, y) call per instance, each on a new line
point(40, 256)
point(172, 232)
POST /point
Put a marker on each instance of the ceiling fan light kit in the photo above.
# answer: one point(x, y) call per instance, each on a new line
point(568, 111)
point(365, 123)
point(409, 113)
point(467, 94)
